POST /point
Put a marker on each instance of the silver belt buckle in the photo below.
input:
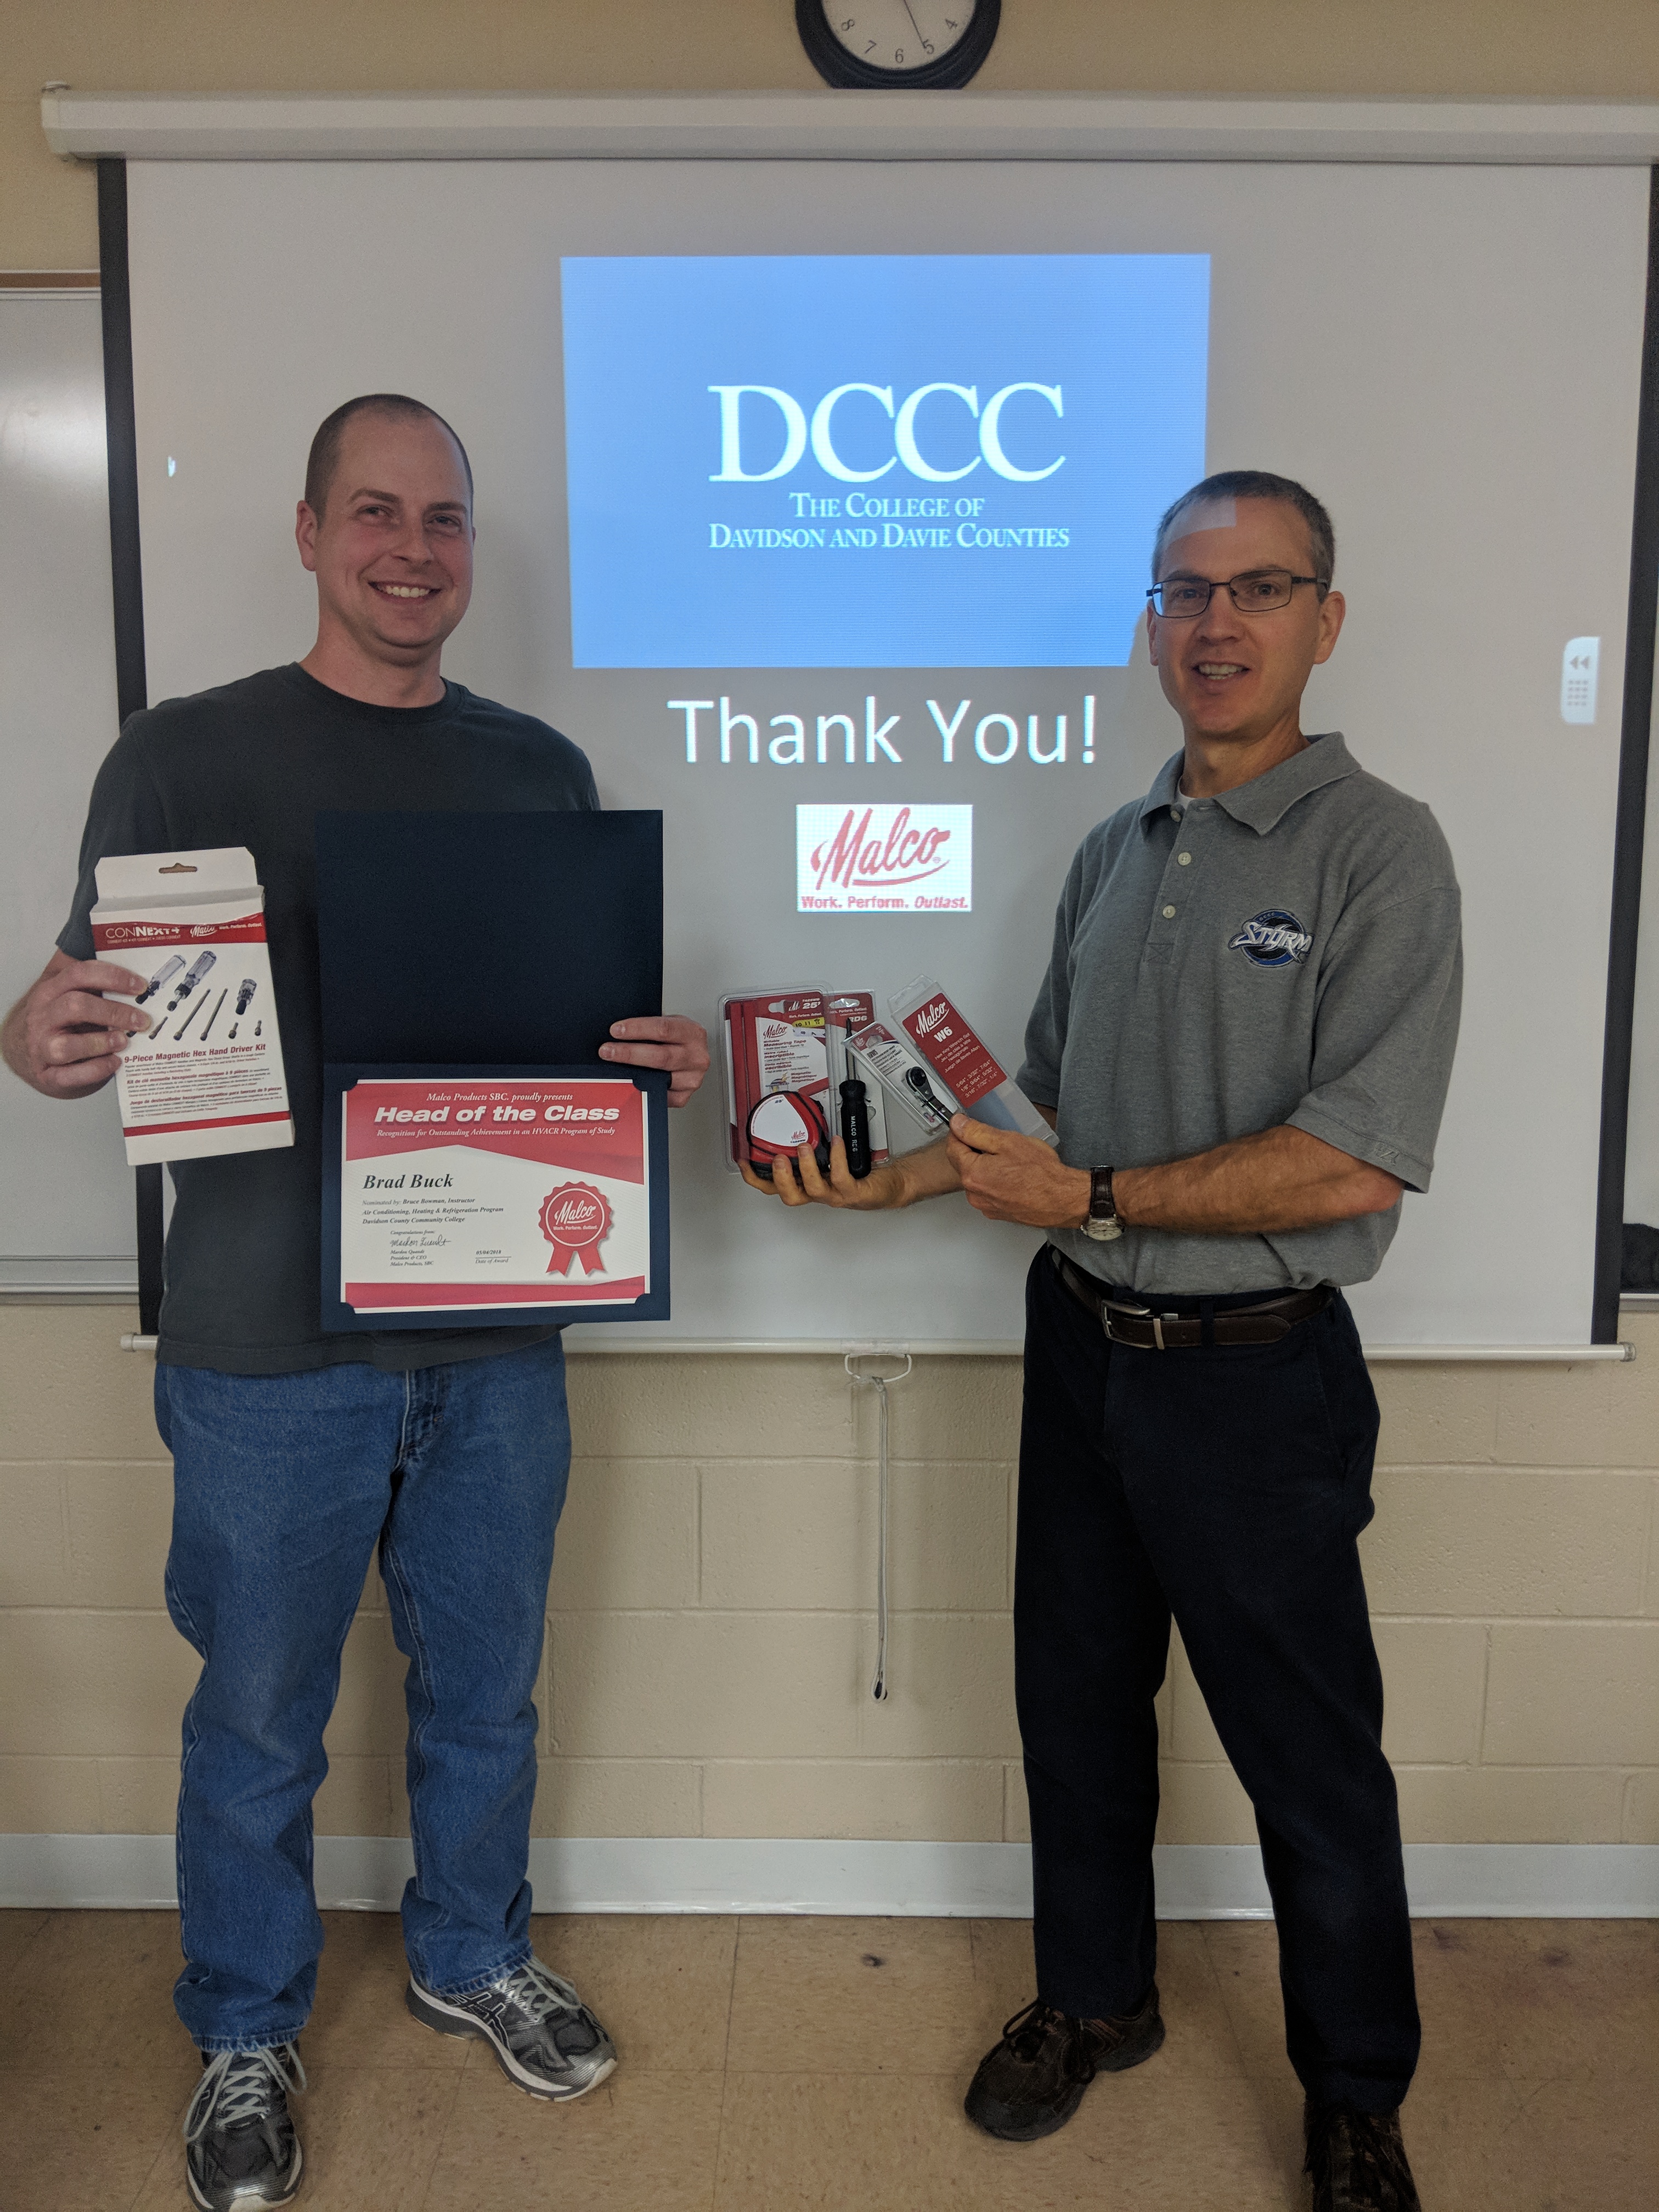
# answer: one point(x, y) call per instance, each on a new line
point(1110, 1306)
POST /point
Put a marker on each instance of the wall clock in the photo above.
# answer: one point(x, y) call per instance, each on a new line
point(909, 45)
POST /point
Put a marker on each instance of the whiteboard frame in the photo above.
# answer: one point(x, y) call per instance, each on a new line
point(852, 126)
point(111, 128)
point(1630, 820)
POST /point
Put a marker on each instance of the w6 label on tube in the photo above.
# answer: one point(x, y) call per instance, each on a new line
point(952, 1050)
point(941, 1035)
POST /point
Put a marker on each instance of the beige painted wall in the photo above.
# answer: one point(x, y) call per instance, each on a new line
point(711, 1633)
point(1584, 47)
point(710, 1638)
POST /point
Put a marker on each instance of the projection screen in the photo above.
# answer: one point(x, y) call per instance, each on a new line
point(864, 457)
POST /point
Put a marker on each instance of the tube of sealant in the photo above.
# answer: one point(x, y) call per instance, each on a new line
point(192, 978)
point(963, 1067)
point(164, 974)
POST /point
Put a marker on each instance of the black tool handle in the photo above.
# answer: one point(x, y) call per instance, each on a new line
point(855, 1128)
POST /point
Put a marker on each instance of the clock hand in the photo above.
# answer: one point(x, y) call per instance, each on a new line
point(911, 13)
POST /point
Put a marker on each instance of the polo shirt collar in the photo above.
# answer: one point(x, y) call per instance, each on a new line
point(1262, 804)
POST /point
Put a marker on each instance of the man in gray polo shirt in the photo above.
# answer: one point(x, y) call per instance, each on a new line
point(1243, 1043)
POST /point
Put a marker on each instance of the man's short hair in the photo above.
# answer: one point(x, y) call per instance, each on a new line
point(324, 456)
point(1259, 483)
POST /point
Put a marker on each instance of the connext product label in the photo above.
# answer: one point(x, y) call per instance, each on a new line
point(883, 859)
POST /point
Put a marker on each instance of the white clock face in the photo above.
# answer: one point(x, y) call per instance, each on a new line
point(898, 34)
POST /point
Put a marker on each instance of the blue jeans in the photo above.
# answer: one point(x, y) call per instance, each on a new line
point(283, 1486)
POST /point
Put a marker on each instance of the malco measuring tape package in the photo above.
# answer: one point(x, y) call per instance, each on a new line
point(777, 1076)
point(206, 1076)
point(803, 1065)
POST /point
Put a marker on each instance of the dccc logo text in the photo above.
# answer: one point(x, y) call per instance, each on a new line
point(819, 432)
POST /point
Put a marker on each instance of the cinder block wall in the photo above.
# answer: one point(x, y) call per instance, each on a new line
point(712, 1636)
point(712, 1633)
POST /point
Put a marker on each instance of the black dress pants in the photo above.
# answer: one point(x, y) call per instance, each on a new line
point(1225, 1485)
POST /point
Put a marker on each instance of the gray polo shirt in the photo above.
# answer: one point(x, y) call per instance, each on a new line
point(1288, 952)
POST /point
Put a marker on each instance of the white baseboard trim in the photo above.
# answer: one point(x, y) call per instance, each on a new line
point(702, 1874)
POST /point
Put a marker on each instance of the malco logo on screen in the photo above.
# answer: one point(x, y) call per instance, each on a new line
point(888, 858)
point(857, 861)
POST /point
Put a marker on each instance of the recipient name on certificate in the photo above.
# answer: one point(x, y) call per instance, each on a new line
point(493, 1193)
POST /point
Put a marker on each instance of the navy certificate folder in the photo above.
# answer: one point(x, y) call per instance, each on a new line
point(474, 945)
point(492, 938)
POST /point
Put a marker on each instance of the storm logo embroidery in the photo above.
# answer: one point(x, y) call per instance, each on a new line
point(1273, 939)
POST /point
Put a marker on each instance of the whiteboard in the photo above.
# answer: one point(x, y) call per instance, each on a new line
point(1448, 356)
point(66, 1212)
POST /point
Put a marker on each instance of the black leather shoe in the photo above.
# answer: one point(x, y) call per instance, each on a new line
point(1034, 2080)
point(241, 2153)
point(1356, 2161)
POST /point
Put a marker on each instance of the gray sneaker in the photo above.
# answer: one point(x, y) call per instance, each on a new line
point(546, 2041)
point(240, 2150)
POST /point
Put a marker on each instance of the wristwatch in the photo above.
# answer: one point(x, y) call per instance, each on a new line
point(1102, 1222)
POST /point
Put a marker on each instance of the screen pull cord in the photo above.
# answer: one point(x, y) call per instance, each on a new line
point(879, 1383)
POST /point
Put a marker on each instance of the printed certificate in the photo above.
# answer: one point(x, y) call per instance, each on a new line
point(528, 1192)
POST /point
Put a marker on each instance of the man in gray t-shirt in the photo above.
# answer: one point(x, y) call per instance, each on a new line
point(300, 1458)
point(1242, 1043)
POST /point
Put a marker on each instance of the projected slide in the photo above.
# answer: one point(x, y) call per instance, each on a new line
point(904, 461)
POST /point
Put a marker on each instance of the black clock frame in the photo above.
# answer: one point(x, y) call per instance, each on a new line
point(845, 71)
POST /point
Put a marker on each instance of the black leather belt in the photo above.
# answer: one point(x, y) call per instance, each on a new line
point(1264, 1322)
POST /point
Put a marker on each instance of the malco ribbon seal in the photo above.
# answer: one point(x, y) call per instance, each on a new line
point(575, 1221)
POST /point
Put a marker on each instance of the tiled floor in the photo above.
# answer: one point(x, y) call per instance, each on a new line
point(800, 2063)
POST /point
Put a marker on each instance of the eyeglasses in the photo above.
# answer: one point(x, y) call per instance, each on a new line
point(1257, 594)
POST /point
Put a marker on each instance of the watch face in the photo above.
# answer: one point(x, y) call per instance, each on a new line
point(898, 34)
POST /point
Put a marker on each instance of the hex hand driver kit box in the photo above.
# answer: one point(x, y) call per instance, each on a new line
point(206, 1076)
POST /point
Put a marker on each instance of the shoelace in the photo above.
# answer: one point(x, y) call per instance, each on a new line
point(238, 2085)
point(539, 1990)
point(1025, 2035)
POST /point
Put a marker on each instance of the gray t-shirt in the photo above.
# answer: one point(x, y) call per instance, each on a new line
point(1288, 952)
point(253, 763)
